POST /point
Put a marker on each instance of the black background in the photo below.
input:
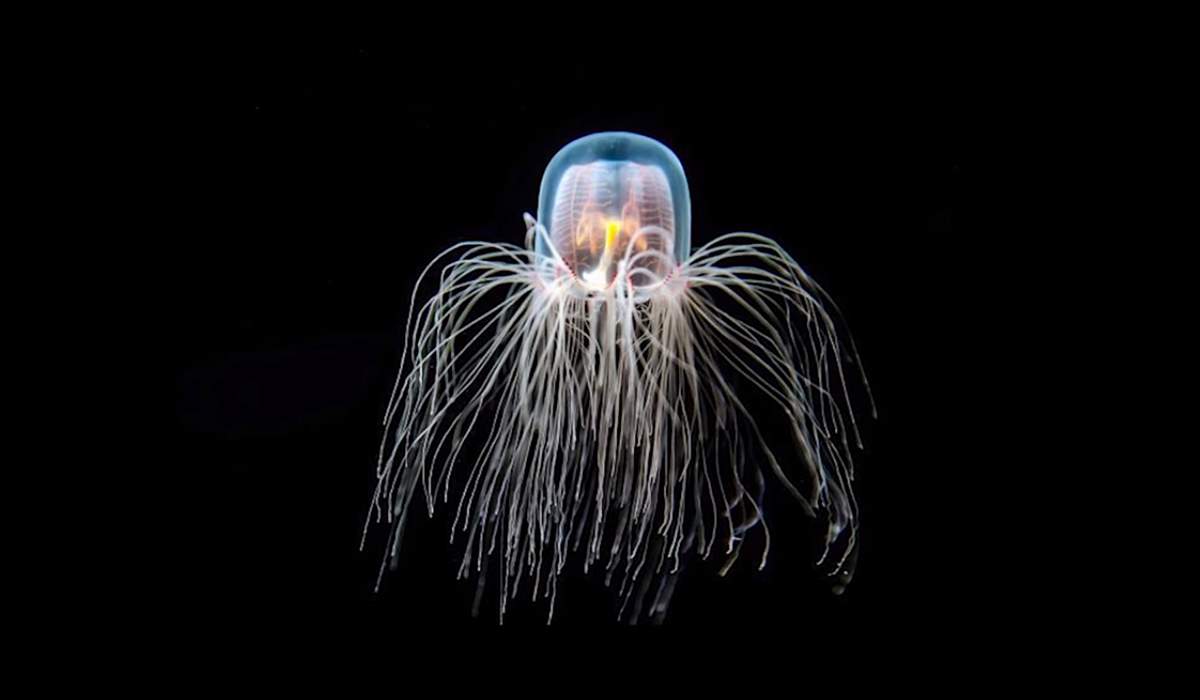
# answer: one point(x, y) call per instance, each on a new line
point(327, 176)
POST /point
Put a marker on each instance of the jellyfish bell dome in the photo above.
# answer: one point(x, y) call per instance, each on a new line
point(612, 202)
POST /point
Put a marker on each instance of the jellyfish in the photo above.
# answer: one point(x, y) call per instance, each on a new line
point(584, 397)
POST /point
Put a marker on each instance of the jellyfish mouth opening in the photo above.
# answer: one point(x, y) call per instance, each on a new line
point(595, 280)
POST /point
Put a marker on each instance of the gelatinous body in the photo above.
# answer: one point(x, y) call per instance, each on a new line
point(616, 203)
point(585, 395)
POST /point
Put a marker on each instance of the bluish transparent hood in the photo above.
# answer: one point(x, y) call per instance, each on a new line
point(609, 195)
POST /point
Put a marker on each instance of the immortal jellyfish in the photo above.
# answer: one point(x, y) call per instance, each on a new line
point(585, 397)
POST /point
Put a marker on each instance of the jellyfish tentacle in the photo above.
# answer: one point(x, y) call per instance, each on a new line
point(586, 396)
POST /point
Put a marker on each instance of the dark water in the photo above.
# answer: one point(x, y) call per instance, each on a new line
point(335, 173)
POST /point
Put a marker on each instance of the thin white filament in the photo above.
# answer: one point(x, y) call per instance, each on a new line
point(610, 421)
